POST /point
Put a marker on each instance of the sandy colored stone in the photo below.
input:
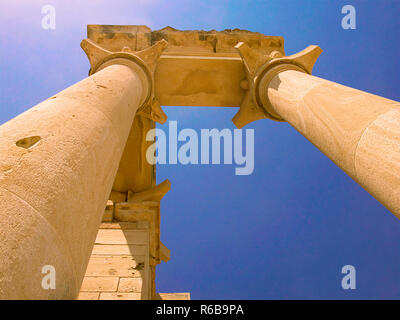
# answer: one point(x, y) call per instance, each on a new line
point(358, 131)
point(108, 212)
point(165, 253)
point(119, 249)
point(61, 160)
point(66, 177)
point(377, 160)
point(116, 236)
point(120, 296)
point(197, 68)
point(129, 263)
point(88, 296)
point(116, 196)
point(130, 285)
point(121, 266)
point(100, 284)
point(174, 296)
point(125, 225)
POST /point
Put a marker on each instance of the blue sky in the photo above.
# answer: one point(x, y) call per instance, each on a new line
point(283, 232)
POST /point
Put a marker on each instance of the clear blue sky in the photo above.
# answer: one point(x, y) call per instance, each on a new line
point(283, 232)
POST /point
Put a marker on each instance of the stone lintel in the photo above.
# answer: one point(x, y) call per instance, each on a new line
point(187, 42)
point(198, 68)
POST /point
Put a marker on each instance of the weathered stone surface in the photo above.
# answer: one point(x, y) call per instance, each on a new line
point(119, 249)
point(66, 177)
point(130, 285)
point(88, 296)
point(255, 105)
point(136, 38)
point(120, 296)
point(358, 131)
point(198, 68)
point(174, 296)
point(115, 236)
point(100, 284)
point(116, 270)
point(63, 159)
point(109, 211)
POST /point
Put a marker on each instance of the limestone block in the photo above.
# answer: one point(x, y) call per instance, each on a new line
point(174, 296)
point(108, 212)
point(116, 236)
point(99, 284)
point(119, 249)
point(121, 266)
point(130, 285)
point(88, 295)
point(120, 296)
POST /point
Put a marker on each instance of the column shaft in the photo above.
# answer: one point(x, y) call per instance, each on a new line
point(358, 131)
point(53, 193)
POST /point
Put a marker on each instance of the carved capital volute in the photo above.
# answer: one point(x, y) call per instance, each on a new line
point(142, 62)
point(260, 69)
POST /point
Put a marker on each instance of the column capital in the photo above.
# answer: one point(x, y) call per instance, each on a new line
point(142, 62)
point(260, 69)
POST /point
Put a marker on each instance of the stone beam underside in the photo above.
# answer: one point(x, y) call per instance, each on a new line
point(198, 68)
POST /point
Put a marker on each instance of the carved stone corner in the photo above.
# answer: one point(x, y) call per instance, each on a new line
point(152, 110)
point(259, 70)
point(154, 194)
point(143, 61)
point(108, 212)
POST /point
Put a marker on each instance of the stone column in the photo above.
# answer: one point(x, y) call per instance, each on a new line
point(58, 162)
point(358, 131)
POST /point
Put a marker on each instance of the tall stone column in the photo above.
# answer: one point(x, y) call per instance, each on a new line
point(358, 131)
point(58, 162)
